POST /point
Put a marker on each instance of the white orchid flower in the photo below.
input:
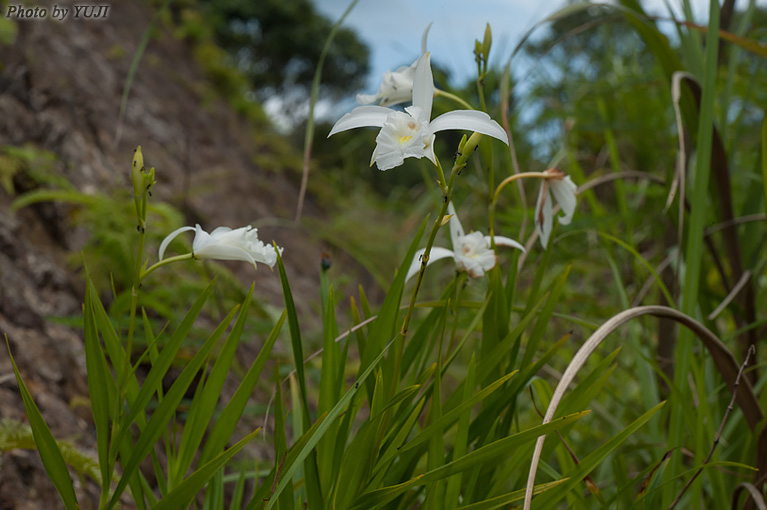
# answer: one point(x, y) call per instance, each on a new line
point(471, 252)
point(396, 87)
point(410, 134)
point(226, 244)
point(563, 189)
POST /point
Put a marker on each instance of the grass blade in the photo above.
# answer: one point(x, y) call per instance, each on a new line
point(49, 451)
point(227, 420)
point(203, 407)
point(164, 412)
point(591, 461)
point(181, 495)
point(102, 392)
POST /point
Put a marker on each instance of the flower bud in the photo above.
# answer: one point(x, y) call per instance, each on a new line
point(137, 174)
point(149, 179)
point(487, 42)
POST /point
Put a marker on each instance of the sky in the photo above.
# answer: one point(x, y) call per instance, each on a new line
point(393, 28)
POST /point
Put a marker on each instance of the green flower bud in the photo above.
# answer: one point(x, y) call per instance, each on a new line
point(487, 42)
point(149, 179)
point(137, 174)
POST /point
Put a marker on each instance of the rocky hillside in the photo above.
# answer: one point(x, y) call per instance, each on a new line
point(61, 84)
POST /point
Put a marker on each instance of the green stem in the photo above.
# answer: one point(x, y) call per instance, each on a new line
point(503, 183)
point(453, 97)
point(133, 306)
point(447, 191)
point(441, 178)
point(481, 92)
point(460, 280)
point(164, 262)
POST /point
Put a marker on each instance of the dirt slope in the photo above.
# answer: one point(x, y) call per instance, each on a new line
point(60, 89)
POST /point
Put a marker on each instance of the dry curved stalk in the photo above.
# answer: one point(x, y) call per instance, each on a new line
point(723, 359)
point(756, 496)
point(680, 175)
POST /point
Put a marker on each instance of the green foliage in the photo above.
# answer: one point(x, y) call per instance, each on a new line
point(18, 435)
point(49, 450)
point(431, 396)
point(35, 165)
point(278, 43)
point(8, 31)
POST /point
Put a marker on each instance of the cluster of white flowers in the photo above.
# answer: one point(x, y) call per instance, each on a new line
point(405, 134)
point(410, 134)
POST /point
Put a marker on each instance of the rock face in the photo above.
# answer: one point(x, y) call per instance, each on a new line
point(61, 84)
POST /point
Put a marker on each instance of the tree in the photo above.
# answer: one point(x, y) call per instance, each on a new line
point(277, 43)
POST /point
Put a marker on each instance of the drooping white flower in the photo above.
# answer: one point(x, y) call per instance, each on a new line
point(563, 188)
point(471, 252)
point(410, 134)
point(397, 86)
point(226, 244)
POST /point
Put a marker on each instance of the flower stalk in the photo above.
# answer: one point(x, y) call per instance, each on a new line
point(501, 185)
point(465, 150)
point(143, 180)
point(164, 262)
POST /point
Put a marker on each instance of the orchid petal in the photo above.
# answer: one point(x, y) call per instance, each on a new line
point(362, 116)
point(456, 229)
point(423, 85)
point(224, 252)
point(469, 120)
point(437, 253)
point(428, 149)
point(201, 239)
point(170, 237)
point(506, 241)
point(474, 255)
point(543, 214)
point(423, 38)
point(402, 136)
point(366, 99)
point(225, 243)
point(564, 192)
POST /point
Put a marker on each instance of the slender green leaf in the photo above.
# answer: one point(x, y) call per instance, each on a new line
point(100, 385)
point(49, 451)
point(312, 437)
point(165, 411)
point(506, 499)
point(591, 461)
point(181, 495)
point(227, 420)
point(764, 159)
point(204, 404)
point(154, 378)
point(488, 455)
